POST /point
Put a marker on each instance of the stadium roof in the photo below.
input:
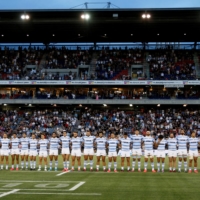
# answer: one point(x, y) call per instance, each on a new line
point(165, 25)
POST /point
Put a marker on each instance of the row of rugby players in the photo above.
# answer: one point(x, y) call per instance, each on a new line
point(28, 147)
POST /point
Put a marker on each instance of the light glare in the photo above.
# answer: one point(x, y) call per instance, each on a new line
point(85, 16)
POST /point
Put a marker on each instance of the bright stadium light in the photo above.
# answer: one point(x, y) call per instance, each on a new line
point(25, 17)
point(130, 105)
point(22, 16)
point(85, 16)
point(104, 105)
point(143, 16)
point(146, 16)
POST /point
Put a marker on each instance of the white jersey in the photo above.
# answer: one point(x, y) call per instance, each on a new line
point(65, 142)
point(15, 143)
point(88, 142)
point(5, 143)
point(148, 142)
point(112, 145)
point(101, 143)
point(182, 142)
point(24, 142)
point(54, 143)
point(33, 144)
point(193, 142)
point(137, 140)
point(162, 144)
point(43, 144)
point(76, 143)
point(125, 144)
point(172, 144)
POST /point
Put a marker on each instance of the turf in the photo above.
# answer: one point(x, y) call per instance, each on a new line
point(99, 185)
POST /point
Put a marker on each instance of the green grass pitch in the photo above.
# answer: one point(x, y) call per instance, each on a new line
point(99, 185)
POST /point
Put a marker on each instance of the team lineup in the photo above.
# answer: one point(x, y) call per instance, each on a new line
point(24, 150)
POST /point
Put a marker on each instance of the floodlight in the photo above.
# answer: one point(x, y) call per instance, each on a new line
point(148, 16)
point(25, 17)
point(85, 16)
point(143, 16)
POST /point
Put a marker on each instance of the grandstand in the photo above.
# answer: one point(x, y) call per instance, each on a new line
point(116, 72)
point(103, 62)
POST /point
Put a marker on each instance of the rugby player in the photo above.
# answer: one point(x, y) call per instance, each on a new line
point(14, 144)
point(43, 144)
point(76, 150)
point(160, 144)
point(136, 149)
point(24, 143)
point(53, 151)
point(100, 143)
point(182, 141)
point(112, 145)
point(148, 142)
point(125, 145)
point(193, 152)
point(65, 141)
point(5, 145)
point(172, 152)
point(88, 143)
point(33, 144)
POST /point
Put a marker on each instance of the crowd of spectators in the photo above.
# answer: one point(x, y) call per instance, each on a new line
point(37, 121)
point(66, 59)
point(115, 64)
point(160, 121)
point(176, 93)
point(112, 62)
point(112, 93)
point(13, 63)
point(171, 65)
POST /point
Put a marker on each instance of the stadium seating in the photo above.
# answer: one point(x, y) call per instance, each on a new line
point(171, 65)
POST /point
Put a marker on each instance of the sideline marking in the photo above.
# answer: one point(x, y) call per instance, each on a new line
point(63, 173)
point(7, 193)
point(76, 186)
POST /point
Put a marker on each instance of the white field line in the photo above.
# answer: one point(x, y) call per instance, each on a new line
point(46, 189)
point(74, 194)
point(7, 193)
point(63, 173)
point(76, 186)
point(21, 181)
